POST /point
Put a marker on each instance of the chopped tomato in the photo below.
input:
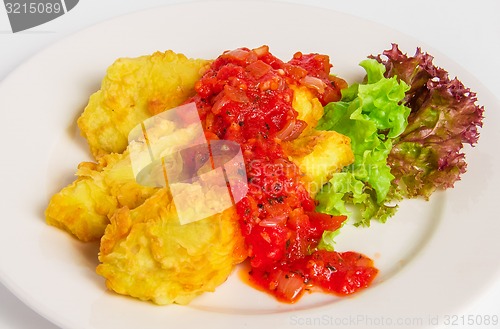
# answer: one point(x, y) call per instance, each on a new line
point(246, 97)
point(340, 273)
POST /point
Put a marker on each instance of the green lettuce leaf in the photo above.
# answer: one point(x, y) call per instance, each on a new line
point(327, 241)
point(372, 116)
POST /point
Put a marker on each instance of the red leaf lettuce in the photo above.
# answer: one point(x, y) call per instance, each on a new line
point(428, 155)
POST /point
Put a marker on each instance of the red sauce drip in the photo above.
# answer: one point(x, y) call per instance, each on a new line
point(245, 97)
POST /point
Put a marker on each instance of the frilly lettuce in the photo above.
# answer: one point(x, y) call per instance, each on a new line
point(372, 116)
point(428, 155)
point(408, 123)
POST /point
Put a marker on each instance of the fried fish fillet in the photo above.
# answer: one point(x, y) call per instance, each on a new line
point(133, 90)
point(318, 154)
point(308, 107)
point(146, 253)
point(83, 208)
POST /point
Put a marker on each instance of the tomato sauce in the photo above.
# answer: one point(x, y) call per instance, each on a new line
point(246, 97)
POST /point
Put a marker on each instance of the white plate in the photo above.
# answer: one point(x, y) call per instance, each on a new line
point(435, 257)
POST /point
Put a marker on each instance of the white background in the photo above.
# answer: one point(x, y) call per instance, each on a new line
point(468, 32)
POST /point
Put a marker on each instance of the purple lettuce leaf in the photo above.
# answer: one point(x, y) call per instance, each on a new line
point(444, 116)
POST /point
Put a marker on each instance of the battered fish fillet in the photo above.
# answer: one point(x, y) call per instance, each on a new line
point(83, 208)
point(318, 154)
point(308, 107)
point(133, 90)
point(145, 252)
